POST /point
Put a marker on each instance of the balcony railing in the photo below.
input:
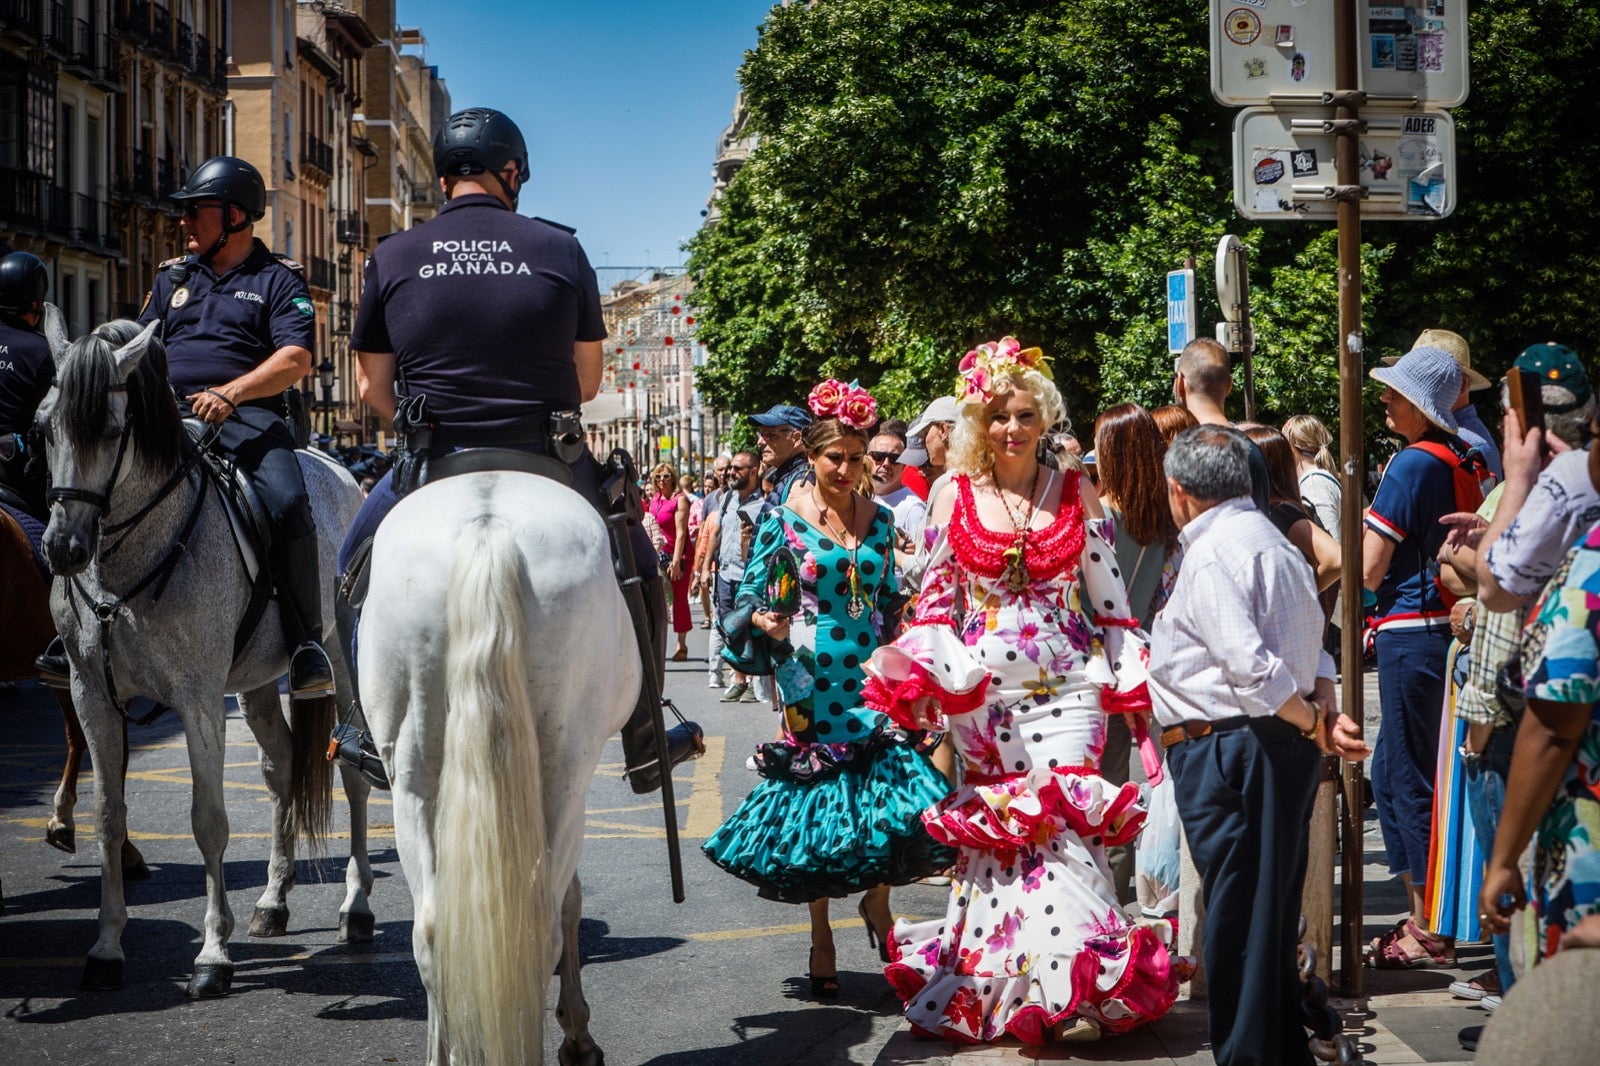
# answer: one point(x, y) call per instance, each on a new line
point(185, 49)
point(318, 154)
point(58, 217)
point(58, 29)
point(161, 27)
point(319, 273)
point(136, 177)
point(352, 229)
point(166, 178)
point(203, 57)
point(340, 326)
point(86, 218)
point(20, 19)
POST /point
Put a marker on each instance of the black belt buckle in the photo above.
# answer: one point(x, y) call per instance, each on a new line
point(564, 431)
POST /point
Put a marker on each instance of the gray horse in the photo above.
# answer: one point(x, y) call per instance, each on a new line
point(149, 592)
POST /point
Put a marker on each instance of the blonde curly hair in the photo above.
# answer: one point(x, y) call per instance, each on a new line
point(969, 452)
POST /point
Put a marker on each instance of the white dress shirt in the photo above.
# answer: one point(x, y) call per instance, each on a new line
point(1242, 631)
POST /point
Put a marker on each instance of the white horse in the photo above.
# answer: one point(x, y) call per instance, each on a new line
point(496, 658)
point(149, 592)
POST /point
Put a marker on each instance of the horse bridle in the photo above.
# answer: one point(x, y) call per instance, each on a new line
point(100, 501)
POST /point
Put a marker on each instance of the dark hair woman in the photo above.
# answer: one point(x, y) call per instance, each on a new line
point(839, 807)
point(1322, 552)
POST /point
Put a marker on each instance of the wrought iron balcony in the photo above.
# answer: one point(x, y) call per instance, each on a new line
point(21, 19)
point(87, 225)
point(319, 273)
point(185, 46)
point(166, 178)
point(318, 154)
point(352, 229)
point(204, 55)
point(58, 29)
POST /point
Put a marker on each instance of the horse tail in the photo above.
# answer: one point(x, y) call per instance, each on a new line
point(494, 905)
point(310, 772)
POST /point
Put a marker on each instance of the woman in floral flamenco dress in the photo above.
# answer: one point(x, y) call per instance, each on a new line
point(1022, 644)
point(838, 809)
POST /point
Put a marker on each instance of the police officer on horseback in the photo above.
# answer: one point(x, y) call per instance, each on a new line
point(481, 328)
point(239, 330)
point(26, 371)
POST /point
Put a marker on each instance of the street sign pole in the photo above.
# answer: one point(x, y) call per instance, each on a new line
point(1233, 294)
point(1352, 467)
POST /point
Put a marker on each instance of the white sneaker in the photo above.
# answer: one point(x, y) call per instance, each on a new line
point(1490, 1003)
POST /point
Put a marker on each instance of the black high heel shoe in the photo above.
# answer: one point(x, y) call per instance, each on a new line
point(881, 942)
point(823, 986)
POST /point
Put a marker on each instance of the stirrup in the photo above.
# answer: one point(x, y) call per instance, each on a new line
point(54, 670)
point(354, 747)
point(310, 672)
point(685, 741)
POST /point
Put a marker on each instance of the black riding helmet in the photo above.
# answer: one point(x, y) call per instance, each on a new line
point(233, 181)
point(24, 281)
point(481, 141)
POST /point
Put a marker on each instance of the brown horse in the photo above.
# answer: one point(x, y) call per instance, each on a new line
point(29, 628)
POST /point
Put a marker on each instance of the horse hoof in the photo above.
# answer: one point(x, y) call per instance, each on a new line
point(270, 921)
point(136, 872)
point(101, 975)
point(572, 1055)
point(62, 838)
point(211, 979)
point(357, 928)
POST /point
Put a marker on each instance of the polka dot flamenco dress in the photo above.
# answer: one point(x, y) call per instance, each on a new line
point(1032, 933)
point(838, 808)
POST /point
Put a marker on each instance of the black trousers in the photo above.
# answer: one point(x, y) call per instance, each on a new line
point(260, 443)
point(1245, 798)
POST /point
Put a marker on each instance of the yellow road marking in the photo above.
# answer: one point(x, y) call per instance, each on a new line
point(705, 796)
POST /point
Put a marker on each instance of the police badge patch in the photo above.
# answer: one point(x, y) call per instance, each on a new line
point(180, 296)
point(304, 306)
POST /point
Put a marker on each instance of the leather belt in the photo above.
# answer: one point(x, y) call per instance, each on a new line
point(1195, 730)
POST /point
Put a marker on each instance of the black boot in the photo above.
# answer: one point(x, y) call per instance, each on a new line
point(52, 665)
point(353, 744)
point(296, 567)
point(684, 741)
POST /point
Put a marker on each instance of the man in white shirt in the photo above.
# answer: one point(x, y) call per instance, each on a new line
point(1237, 674)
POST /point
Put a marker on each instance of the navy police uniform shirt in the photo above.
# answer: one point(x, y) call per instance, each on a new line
point(218, 327)
point(26, 371)
point(480, 307)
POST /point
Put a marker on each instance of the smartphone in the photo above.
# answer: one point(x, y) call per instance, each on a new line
point(1526, 393)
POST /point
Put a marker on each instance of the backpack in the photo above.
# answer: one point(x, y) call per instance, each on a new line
point(1467, 473)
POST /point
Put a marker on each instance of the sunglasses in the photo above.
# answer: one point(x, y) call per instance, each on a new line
point(740, 469)
point(884, 457)
point(191, 210)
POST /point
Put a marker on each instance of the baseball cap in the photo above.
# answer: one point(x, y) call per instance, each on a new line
point(782, 414)
point(1431, 379)
point(1556, 364)
point(915, 454)
point(942, 409)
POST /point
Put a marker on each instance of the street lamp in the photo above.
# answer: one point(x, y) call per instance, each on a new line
point(325, 372)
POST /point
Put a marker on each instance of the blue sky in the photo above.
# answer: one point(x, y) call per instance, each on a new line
point(621, 102)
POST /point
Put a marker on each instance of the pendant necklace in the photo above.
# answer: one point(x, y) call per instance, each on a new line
point(1016, 571)
point(857, 604)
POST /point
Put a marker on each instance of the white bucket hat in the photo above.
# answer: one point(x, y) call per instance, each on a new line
point(1431, 379)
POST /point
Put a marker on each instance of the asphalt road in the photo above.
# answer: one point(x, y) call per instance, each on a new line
point(718, 979)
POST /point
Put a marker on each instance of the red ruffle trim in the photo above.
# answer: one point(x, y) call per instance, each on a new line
point(1107, 622)
point(1134, 701)
point(897, 699)
point(1146, 991)
point(980, 820)
point(933, 620)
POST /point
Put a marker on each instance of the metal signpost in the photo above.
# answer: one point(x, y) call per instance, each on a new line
point(1234, 332)
point(1305, 72)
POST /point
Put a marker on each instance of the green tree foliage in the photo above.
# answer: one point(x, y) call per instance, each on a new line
point(934, 173)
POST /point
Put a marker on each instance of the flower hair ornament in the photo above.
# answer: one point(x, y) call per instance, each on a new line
point(850, 404)
point(988, 362)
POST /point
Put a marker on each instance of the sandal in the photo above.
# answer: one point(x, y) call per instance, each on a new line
point(823, 986)
point(1407, 946)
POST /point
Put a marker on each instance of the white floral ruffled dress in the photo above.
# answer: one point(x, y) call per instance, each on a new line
point(1032, 934)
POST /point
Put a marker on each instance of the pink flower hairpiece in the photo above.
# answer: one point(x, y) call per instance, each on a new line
point(981, 366)
point(850, 404)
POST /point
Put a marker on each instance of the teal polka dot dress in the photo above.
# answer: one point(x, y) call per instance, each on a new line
point(839, 806)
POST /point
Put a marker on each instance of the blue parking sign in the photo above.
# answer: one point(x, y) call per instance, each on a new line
point(1180, 309)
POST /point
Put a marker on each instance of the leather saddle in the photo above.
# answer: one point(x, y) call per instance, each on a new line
point(464, 461)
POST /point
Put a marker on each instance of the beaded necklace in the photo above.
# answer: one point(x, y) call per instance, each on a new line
point(857, 605)
point(1016, 556)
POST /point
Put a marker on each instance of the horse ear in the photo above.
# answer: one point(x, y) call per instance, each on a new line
point(55, 331)
point(128, 356)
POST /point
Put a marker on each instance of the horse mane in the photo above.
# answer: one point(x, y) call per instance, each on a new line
point(84, 391)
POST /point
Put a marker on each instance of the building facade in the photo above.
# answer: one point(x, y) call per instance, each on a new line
point(59, 80)
point(406, 102)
